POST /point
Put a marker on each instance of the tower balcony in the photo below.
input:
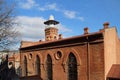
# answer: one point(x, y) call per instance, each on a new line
point(52, 25)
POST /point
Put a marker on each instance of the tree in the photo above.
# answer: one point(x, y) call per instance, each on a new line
point(9, 36)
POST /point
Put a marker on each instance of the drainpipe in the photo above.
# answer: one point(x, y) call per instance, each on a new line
point(88, 60)
point(86, 31)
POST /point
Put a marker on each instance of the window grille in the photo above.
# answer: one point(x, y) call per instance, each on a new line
point(49, 67)
point(38, 71)
point(72, 67)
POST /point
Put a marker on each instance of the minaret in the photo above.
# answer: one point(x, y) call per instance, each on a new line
point(51, 31)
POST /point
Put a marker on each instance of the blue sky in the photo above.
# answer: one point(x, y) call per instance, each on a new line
point(73, 16)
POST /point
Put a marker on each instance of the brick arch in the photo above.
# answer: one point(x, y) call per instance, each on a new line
point(51, 55)
point(72, 50)
point(49, 67)
point(25, 55)
point(40, 56)
point(25, 64)
point(37, 65)
point(71, 67)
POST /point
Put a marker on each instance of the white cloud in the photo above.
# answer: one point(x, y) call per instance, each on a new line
point(63, 28)
point(67, 13)
point(81, 18)
point(70, 14)
point(52, 6)
point(28, 4)
point(32, 28)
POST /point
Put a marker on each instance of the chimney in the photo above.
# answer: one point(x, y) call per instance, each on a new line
point(40, 40)
point(106, 25)
point(86, 30)
point(60, 36)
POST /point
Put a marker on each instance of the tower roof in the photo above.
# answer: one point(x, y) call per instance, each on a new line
point(51, 21)
point(51, 17)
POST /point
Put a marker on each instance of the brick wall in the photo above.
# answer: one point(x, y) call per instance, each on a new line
point(90, 58)
point(36, 77)
point(59, 65)
point(96, 61)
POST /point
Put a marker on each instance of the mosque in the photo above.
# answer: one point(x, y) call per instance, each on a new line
point(89, 56)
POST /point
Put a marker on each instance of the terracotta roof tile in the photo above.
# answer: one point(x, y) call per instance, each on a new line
point(29, 44)
point(114, 71)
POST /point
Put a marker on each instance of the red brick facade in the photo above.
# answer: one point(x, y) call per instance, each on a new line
point(89, 56)
point(35, 77)
point(89, 50)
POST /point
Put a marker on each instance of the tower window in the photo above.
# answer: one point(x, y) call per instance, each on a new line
point(49, 67)
point(72, 67)
point(55, 37)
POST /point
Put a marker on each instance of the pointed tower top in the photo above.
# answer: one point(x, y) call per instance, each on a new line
point(51, 21)
point(51, 17)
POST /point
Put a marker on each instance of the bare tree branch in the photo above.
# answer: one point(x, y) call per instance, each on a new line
point(8, 34)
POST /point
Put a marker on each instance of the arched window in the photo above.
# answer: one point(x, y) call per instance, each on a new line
point(38, 71)
point(72, 67)
point(49, 67)
point(25, 66)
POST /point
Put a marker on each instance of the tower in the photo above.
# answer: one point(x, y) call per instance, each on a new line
point(51, 31)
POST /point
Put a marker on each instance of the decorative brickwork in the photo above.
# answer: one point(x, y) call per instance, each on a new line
point(94, 53)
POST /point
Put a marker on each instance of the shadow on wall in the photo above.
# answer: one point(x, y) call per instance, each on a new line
point(7, 72)
point(35, 77)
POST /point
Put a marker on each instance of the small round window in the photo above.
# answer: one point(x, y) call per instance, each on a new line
point(58, 55)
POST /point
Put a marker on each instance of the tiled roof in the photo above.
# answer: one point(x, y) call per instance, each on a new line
point(29, 44)
point(114, 72)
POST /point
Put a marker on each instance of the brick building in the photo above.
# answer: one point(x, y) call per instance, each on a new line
point(85, 57)
point(14, 58)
